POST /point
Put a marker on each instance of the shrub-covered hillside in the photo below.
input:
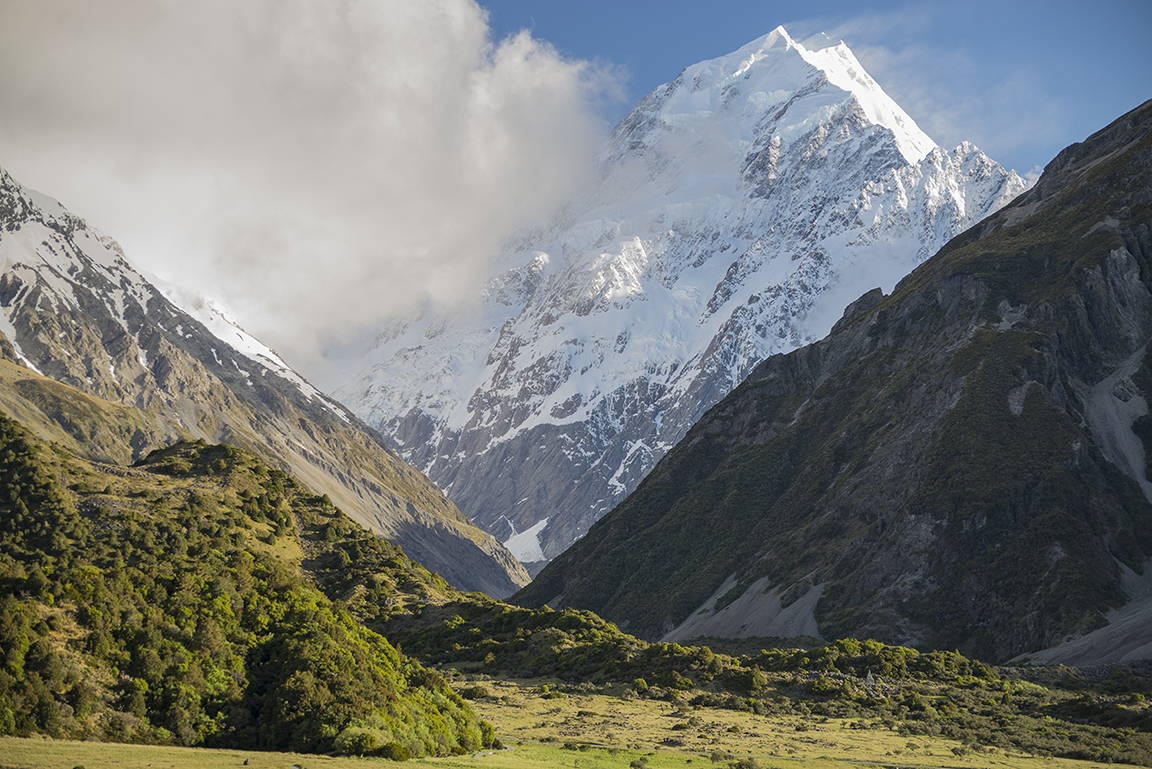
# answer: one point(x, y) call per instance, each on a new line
point(184, 600)
point(202, 598)
point(929, 694)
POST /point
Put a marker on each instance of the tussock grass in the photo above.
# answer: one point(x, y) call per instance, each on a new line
point(616, 728)
point(64, 754)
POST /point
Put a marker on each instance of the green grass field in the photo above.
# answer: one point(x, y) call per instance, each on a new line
point(593, 731)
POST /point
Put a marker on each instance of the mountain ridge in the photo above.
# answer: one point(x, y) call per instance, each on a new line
point(733, 207)
point(75, 310)
point(933, 470)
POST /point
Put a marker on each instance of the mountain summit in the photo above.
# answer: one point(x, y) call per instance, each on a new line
point(736, 211)
point(775, 70)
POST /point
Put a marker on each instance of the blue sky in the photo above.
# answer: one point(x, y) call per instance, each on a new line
point(1021, 79)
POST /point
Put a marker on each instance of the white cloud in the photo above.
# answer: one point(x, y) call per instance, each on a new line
point(315, 164)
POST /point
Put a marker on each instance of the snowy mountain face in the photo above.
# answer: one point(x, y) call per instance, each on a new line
point(738, 210)
point(74, 310)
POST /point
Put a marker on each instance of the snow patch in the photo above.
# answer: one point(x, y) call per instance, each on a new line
point(9, 331)
point(525, 546)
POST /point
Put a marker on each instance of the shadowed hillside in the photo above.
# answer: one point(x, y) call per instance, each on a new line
point(957, 465)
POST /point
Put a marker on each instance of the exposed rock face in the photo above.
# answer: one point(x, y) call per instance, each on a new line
point(962, 464)
point(75, 311)
point(738, 209)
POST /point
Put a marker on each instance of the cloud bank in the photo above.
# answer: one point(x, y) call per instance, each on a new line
point(315, 166)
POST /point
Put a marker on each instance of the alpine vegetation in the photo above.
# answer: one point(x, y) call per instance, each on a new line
point(182, 601)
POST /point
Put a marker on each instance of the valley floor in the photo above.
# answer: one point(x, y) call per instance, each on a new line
point(614, 730)
point(617, 729)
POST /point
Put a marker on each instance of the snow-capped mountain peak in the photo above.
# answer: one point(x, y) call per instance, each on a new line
point(843, 70)
point(778, 82)
point(738, 209)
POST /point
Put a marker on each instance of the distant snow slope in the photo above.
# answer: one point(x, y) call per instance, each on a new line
point(738, 210)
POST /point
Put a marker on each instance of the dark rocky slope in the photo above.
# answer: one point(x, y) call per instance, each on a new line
point(958, 465)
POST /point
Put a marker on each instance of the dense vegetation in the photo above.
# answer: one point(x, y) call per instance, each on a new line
point(174, 603)
point(1040, 711)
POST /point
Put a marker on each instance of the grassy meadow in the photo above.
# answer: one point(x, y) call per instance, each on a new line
point(541, 727)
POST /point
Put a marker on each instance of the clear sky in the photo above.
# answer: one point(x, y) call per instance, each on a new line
point(318, 166)
point(1021, 79)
